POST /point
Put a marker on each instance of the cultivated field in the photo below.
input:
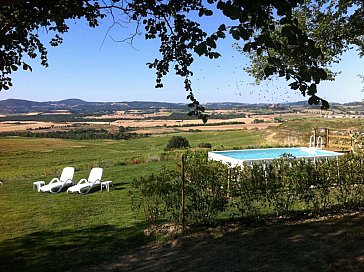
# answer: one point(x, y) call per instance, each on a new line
point(142, 122)
point(31, 125)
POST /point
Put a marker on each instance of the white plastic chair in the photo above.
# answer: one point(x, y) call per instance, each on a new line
point(85, 185)
point(56, 185)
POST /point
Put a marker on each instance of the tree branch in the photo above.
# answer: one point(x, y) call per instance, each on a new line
point(10, 2)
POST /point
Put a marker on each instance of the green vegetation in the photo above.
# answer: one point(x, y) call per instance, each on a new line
point(185, 116)
point(281, 188)
point(205, 145)
point(159, 196)
point(301, 128)
point(305, 125)
point(177, 142)
point(215, 124)
point(31, 157)
point(76, 134)
point(258, 121)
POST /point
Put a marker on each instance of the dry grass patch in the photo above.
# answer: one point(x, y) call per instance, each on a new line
point(19, 126)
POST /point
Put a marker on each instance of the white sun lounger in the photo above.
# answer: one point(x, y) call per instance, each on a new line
point(56, 185)
point(85, 185)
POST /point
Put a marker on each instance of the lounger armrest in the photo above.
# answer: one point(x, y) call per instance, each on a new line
point(54, 180)
point(91, 185)
point(98, 180)
point(82, 180)
point(68, 181)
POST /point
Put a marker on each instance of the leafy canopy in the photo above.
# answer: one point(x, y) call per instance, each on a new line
point(294, 39)
point(177, 142)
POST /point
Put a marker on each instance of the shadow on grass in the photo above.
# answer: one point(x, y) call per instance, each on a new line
point(119, 186)
point(334, 244)
point(68, 250)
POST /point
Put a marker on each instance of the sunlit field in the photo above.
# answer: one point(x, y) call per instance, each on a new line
point(80, 230)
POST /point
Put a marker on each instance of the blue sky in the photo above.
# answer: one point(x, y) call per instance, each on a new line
point(84, 67)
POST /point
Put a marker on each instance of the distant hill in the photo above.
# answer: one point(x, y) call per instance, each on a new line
point(71, 102)
point(18, 103)
point(78, 106)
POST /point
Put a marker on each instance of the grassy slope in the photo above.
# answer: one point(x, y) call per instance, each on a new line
point(301, 128)
point(32, 157)
point(45, 232)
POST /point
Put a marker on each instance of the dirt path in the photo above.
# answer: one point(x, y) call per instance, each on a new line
point(331, 244)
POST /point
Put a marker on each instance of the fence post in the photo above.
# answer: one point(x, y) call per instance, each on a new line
point(183, 193)
point(228, 181)
point(314, 137)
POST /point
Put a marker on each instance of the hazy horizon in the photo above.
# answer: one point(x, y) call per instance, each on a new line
point(150, 101)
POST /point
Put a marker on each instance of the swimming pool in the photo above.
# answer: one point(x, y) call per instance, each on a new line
point(238, 157)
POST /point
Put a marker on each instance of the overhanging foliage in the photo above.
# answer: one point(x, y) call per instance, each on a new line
point(294, 39)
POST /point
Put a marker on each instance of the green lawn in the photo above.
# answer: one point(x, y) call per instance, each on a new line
point(46, 232)
point(33, 157)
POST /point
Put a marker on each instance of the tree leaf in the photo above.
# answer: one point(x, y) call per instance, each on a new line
point(201, 48)
point(312, 89)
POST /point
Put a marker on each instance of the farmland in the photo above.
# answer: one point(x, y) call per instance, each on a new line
point(153, 117)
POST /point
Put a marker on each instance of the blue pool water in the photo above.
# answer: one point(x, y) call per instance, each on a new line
point(270, 154)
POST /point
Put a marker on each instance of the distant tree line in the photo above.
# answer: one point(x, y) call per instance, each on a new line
point(83, 118)
point(185, 116)
point(54, 118)
point(214, 124)
point(80, 134)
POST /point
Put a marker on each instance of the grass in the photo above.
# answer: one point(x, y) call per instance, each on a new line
point(63, 231)
point(300, 128)
point(45, 232)
point(32, 157)
point(306, 125)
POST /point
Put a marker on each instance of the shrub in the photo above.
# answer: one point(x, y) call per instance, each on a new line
point(157, 195)
point(205, 145)
point(349, 191)
point(248, 190)
point(177, 142)
point(257, 121)
point(280, 187)
point(122, 129)
point(205, 189)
